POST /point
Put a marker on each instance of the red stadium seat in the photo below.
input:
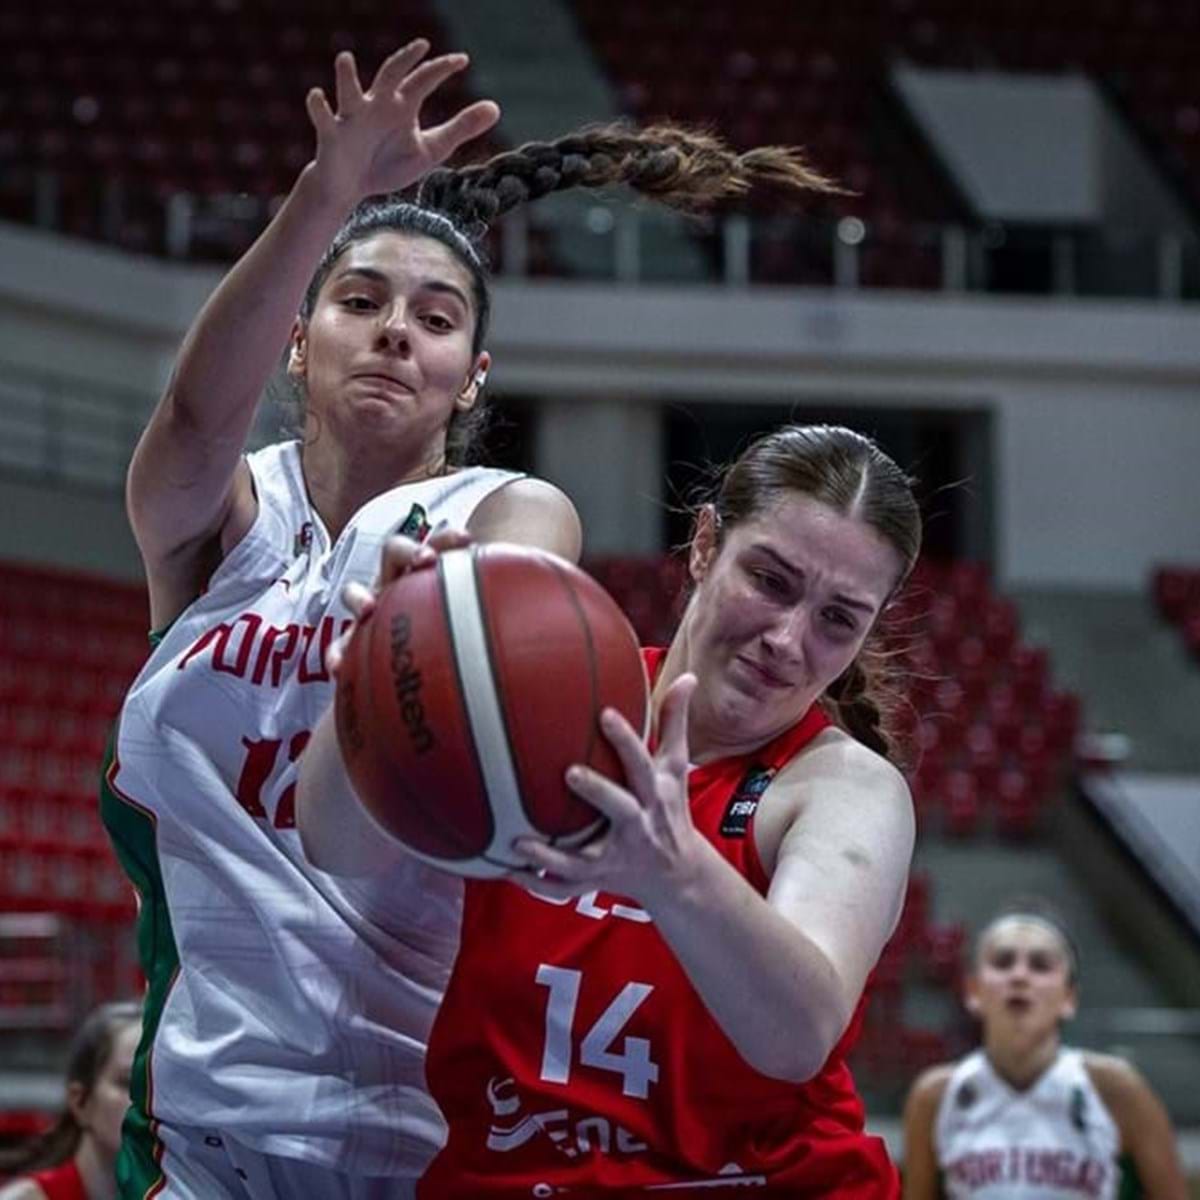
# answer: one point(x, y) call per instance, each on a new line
point(962, 808)
point(944, 951)
point(1017, 805)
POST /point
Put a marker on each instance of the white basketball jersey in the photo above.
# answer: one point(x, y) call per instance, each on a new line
point(1056, 1139)
point(297, 1018)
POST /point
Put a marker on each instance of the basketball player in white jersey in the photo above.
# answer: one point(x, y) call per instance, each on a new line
point(1025, 1117)
point(287, 1012)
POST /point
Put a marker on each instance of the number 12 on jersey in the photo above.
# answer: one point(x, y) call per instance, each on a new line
point(633, 1063)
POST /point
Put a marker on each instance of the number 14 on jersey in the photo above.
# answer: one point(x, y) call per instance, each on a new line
point(633, 1062)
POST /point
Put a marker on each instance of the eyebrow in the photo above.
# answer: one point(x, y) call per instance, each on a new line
point(428, 285)
point(791, 568)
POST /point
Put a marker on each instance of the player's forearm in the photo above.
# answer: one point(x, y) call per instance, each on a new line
point(337, 835)
point(773, 992)
point(235, 341)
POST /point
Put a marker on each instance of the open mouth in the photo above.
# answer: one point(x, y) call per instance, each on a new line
point(1018, 1004)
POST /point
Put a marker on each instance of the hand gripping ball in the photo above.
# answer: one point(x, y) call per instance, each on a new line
point(467, 692)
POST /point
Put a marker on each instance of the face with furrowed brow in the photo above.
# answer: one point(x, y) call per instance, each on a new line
point(386, 356)
point(783, 604)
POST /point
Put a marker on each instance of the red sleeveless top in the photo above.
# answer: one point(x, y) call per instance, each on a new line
point(61, 1182)
point(572, 1055)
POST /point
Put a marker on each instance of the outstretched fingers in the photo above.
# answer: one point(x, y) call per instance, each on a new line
point(421, 83)
point(397, 65)
point(636, 760)
point(349, 89)
point(442, 140)
point(319, 112)
point(611, 799)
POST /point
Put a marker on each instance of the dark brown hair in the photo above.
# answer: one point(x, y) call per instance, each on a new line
point(686, 169)
point(87, 1056)
point(1041, 911)
point(849, 473)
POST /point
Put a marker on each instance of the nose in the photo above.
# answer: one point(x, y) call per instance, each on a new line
point(393, 329)
point(1019, 971)
point(785, 635)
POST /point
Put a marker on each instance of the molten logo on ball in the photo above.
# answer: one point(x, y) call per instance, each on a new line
point(408, 685)
point(468, 691)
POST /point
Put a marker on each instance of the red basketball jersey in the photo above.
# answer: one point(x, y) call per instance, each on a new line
point(572, 1056)
point(62, 1182)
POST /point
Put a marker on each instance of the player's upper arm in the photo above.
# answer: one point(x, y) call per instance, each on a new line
point(920, 1165)
point(1146, 1134)
point(530, 512)
point(842, 867)
point(190, 498)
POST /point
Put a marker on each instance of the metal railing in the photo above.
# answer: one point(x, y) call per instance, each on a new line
point(630, 244)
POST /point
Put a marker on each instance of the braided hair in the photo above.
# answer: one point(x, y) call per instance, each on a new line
point(687, 169)
point(849, 473)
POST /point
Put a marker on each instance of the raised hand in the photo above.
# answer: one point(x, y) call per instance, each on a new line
point(374, 142)
point(651, 846)
point(400, 555)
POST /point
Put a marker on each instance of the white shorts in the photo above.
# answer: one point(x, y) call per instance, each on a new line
point(200, 1164)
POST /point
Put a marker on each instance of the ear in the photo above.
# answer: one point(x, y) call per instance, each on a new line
point(297, 362)
point(1070, 1004)
point(76, 1102)
point(971, 1000)
point(704, 543)
point(467, 397)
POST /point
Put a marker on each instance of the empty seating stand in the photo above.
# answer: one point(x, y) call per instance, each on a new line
point(816, 75)
point(70, 645)
point(118, 109)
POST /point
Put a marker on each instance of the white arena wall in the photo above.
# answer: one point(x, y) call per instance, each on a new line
point(1095, 405)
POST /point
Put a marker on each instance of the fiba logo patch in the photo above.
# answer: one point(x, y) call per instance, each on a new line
point(744, 801)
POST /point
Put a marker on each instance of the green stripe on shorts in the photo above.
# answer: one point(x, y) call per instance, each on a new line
point(132, 832)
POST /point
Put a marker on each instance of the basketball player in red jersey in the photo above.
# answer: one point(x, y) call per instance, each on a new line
point(287, 1011)
point(75, 1159)
point(669, 1008)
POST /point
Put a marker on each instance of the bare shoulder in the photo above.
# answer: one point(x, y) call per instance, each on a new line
point(1118, 1081)
point(21, 1189)
point(927, 1090)
point(531, 511)
point(525, 492)
point(835, 765)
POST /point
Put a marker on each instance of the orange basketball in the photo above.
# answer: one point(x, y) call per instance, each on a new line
point(467, 692)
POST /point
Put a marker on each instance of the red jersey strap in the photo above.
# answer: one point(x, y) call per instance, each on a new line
point(725, 792)
point(62, 1182)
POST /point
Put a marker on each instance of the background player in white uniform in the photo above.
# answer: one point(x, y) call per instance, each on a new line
point(1024, 1117)
point(286, 1015)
